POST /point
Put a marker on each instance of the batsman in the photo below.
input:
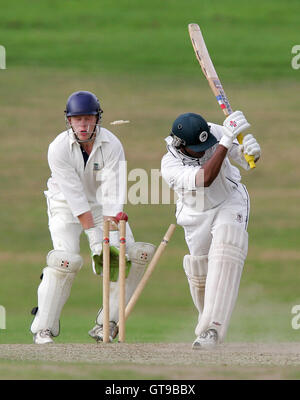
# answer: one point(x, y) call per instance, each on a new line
point(213, 209)
point(86, 187)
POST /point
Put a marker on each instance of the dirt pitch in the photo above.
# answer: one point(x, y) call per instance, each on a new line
point(167, 361)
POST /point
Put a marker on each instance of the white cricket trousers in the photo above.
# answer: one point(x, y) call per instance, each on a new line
point(65, 229)
point(199, 228)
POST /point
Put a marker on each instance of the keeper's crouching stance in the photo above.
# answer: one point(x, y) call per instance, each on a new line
point(213, 208)
point(58, 276)
point(85, 162)
point(53, 292)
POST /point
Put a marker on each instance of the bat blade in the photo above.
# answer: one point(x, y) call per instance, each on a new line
point(211, 75)
point(202, 52)
point(208, 68)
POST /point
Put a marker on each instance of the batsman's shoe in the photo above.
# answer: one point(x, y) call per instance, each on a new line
point(97, 332)
point(206, 340)
point(43, 336)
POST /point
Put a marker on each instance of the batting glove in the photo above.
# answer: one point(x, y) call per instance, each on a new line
point(251, 147)
point(234, 124)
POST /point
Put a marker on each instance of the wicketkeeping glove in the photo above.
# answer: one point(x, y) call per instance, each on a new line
point(114, 264)
point(94, 236)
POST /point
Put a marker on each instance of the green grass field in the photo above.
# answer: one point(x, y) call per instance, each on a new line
point(137, 57)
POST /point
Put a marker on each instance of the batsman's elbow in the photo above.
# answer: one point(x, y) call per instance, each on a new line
point(208, 182)
point(204, 179)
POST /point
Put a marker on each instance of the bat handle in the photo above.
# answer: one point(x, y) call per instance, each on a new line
point(249, 159)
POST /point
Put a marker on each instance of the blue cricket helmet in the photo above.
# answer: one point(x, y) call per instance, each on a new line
point(83, 103)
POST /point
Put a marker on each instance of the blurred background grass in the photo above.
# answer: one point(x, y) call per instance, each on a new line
point(137, 57)
point(251, 39)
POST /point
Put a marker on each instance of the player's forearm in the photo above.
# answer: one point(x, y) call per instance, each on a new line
point(211, 168)
point(86, 219)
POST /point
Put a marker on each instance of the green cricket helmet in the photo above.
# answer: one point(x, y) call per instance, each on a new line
point(192, 131)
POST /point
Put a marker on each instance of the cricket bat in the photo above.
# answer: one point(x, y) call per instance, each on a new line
point(212, 77)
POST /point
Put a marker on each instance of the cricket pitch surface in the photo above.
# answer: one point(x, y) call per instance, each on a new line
point(169, 360)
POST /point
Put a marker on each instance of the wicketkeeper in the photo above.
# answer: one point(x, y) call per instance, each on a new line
point(87, 185)
point(213, 208)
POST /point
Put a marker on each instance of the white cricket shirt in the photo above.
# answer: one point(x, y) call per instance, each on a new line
point(101, 181)
point(180, 174)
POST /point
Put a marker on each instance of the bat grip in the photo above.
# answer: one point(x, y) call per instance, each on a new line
point(249, 159)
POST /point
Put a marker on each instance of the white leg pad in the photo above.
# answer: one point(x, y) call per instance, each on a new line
point(225, 264)
point(55, 289)
point(195, 268)
point(140, 254)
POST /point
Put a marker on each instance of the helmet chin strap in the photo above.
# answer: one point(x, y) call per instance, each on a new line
point(186, 154)
point(86, 140)
point(69, 126)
